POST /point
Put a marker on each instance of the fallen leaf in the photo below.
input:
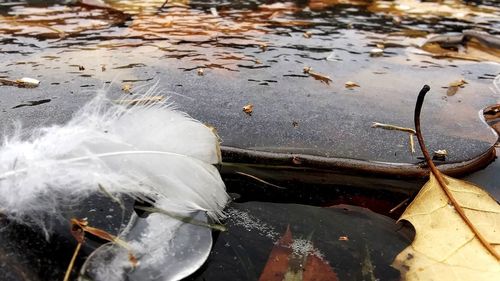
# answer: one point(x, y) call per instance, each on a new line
point(248, 109)
point(322, 78)
point(200, 71)
point(307, 34)
point(343, 238)
point(454, 86)
point(277, 262)
point(84, 226)
point(444, 246)
point(285, 264)
point(457, 227)
point(127, 87)
point(351, 84)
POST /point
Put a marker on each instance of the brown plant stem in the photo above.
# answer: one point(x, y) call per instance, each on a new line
point(440, 179)
point(72, 262)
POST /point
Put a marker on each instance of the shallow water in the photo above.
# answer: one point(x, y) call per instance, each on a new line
point(255, 52)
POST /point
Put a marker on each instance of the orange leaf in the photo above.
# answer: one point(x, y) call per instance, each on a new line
point(277, 263)
point(317, 269)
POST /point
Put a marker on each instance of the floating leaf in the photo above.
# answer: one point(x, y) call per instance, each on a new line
point(454, 86)
point(457, 227)
point(318, 76)
point(351, 84)
point(248, 109)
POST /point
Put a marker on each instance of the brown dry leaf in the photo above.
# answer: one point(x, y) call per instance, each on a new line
point(454, 86)
point(320, 77)
point(248, 109)
point(84, 226)
point(283, 264)
point(351, 84)
point(445, 247)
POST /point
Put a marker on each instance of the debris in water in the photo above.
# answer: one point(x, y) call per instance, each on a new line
point(141, 101)
point(343, 238)
point(32, 103)
point(351, 84)
point(200, 71)
point(440, 154)
point(24, 82)
point(248, 109)
point(127, 87)
point(376, 52)
point(454, 86)
point(307, 34)
point(318, 76)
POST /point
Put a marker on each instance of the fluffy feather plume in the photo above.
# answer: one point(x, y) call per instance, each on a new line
point(147, 151)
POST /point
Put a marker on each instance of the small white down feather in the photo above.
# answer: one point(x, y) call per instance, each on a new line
point(149, 151)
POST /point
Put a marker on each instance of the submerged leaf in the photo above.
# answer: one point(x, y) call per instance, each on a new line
point(288, 261)
point(445, 248)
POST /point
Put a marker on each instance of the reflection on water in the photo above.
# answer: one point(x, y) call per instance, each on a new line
point(255, 52)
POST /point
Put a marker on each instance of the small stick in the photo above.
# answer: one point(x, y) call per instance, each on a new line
point(392, 127)
point(399, 205)
point(259, 180)
point(412, 144)
point(72, 262)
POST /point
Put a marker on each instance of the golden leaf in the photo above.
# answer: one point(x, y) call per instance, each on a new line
point(454, 86)
point(445, 246)
point(248, 109)
point(351, 84)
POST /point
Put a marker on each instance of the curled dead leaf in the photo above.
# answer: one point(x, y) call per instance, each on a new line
point(454, 86)
point(248, 109)
point(351, 84)
point(318, 76)
point(200, 72)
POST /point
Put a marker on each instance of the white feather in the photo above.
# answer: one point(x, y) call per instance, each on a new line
point(150, 151)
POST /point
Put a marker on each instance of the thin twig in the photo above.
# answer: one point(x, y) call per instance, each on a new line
point(259, 180)
point(72, 262)
point(412, 144)
point(392, 127)
point(440, 179)
point(399, 205)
